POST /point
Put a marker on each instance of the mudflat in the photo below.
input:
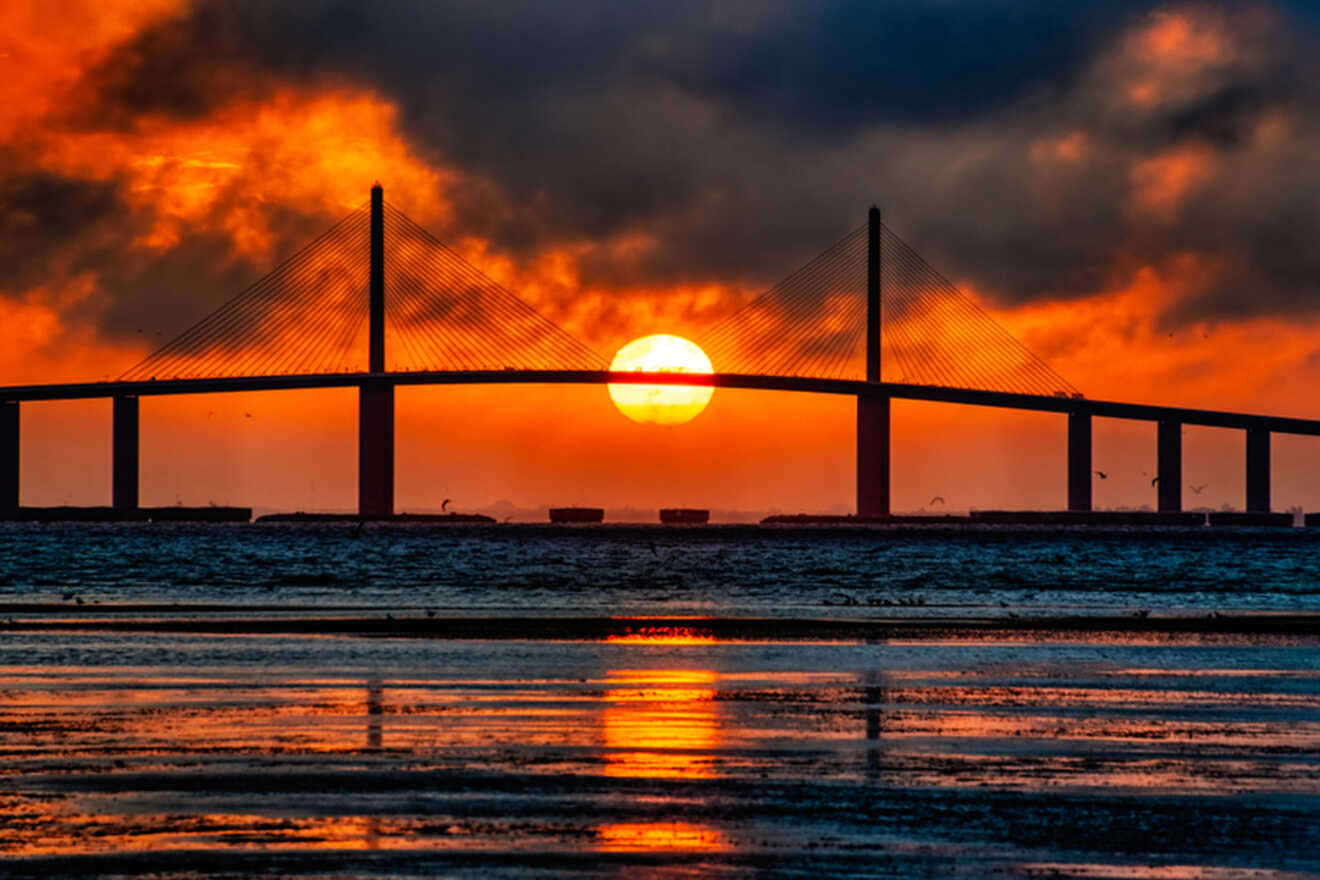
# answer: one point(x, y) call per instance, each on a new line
point(659, 748)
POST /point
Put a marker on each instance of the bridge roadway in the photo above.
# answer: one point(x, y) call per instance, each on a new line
point(856, 388)
point(376, 424)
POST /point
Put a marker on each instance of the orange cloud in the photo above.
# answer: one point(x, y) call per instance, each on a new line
point(1075, 146)
point(1112, 346)
point(45, 49)
point(1160, 185)
point(1178, 36)
point(39, 342)
point(316, 152)
point(1177, 53)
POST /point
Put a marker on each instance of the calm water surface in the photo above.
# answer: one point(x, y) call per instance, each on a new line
point(653, 570)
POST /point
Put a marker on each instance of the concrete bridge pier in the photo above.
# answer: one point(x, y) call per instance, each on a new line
point(1258, 470)
point(1169, 466)
point(9, 437)
point(376, 450)
point(124, 453)
point(1079, 461)
point(872, 455)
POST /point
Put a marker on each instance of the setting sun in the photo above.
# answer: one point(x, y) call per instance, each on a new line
point(661, 404)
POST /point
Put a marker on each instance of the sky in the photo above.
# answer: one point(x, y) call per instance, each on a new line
point(1128, 187)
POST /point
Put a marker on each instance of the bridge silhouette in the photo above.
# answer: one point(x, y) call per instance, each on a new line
point(377, 302)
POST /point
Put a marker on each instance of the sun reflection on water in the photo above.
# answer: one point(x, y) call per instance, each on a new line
point(661, 724)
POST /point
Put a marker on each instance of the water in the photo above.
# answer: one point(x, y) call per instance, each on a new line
point(731, 570)
point(1119, 750)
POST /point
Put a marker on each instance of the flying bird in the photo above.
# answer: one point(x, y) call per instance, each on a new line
point(1198, 489)
point(1102, 475)
point(1154, 481)
point(939, 498)
point(443, 505)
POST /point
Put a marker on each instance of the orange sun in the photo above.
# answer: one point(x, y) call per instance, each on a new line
point(661, 404)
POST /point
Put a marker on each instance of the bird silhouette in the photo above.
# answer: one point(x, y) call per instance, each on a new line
point(1102, 475)
point(1198, 489)
point(939, 498)
point(1154, 481)
point(443, 505)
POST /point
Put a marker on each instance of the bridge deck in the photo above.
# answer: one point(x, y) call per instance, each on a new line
point(971, 397)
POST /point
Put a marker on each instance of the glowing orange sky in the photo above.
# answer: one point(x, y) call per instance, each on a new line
point(314, 148)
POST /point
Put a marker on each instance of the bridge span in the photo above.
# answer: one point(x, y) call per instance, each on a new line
point(1029, 388)
point(1079, 412)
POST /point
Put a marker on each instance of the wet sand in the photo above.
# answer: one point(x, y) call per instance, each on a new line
point(659, 748)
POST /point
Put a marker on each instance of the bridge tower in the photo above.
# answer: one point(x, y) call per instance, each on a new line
point(376, 393)
point(873, 406)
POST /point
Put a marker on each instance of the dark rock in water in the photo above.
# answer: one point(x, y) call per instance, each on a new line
point(684, 515)
point(133, 514)
point(1088, 518)
point(1242, 518)
point(577, 514)
point(435, 518)
point(198, 514)
point(822, 519)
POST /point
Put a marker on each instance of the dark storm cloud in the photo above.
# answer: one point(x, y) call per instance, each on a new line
point(44, 217)
point(683, 117)
point(745, 137)
point(832, 68)
point(54, 229)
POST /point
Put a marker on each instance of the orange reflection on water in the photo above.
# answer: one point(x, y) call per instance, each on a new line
point(42, 827)
point(652, 836)
point(660, 723)
point(664, 635)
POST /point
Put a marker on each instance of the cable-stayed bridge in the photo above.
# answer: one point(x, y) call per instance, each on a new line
point(376, 302)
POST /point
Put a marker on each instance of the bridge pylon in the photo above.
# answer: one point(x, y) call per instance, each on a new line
point(873, 408)
point(376, 399)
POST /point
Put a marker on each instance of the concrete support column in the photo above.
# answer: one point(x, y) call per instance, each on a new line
point(376, 450)
point(1079, 461)
point(872, 455)
point(9, 437)
point(124, 451)
point(1258, 470)
point(1170, 466)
